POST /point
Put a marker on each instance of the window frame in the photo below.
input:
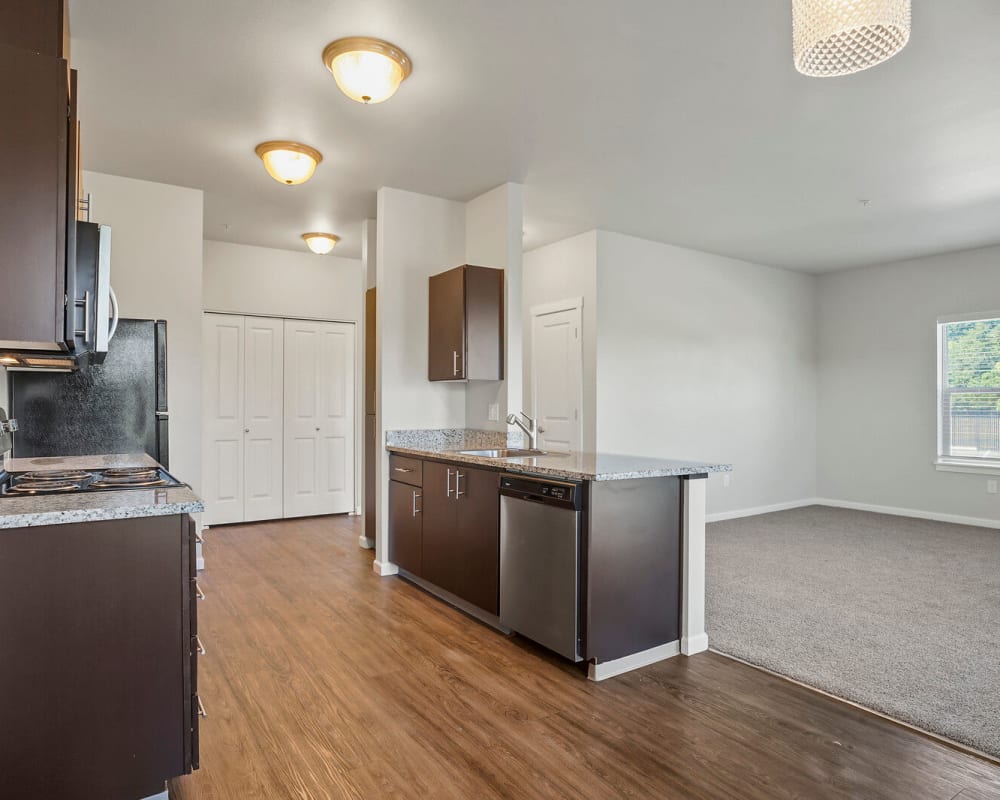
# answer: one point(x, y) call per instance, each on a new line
point(948, 463)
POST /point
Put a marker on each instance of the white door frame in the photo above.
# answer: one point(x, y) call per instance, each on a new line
point(359, 407)
point(541, 310)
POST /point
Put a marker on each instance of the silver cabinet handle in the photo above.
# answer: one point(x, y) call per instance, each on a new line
point(85, 333)
point(201, 706)
point(458, 477)
point(415, 509)
point(454, 362)
point(199, 647)
point(402, 469)
point(449, 484)
point(198, 592)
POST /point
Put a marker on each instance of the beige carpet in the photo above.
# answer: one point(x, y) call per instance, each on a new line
point(899, 615)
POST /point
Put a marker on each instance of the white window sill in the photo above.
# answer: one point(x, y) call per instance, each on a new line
point(970, 467)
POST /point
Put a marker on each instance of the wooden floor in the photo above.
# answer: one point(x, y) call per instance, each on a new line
point(322, 680)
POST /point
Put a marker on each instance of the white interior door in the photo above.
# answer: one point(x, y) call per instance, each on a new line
point(557, 376)
point(222, 397)
point(319, 418)
point(263, 418)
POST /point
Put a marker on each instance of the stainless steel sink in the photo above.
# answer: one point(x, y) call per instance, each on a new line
point(503, 453)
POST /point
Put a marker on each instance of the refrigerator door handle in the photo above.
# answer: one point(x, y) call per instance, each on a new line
point(113, 298)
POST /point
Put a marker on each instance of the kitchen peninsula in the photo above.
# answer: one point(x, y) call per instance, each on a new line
point(98, 593)
point(599, 557)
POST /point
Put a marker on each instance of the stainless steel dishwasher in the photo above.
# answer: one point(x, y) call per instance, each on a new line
point(540, 561)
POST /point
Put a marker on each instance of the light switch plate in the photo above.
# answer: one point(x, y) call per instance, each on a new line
point(991, 487)
point(494, 412)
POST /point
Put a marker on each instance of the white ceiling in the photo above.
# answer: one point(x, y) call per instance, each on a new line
point(677, 121)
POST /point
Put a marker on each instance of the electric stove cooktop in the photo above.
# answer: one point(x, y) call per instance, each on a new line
point(57, 482)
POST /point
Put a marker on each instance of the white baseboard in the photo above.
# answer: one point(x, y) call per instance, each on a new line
point(722, 516)
point(366, 543)
point(694, 645)
point(384, 568)
point(161, 796)
point(609, 669)
point(957, 519)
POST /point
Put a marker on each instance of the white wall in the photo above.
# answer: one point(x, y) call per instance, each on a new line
point(242, 279)
point(494, 225)
point(878, 381)
point(709, 358)
point(156, 270)
point(557, 272)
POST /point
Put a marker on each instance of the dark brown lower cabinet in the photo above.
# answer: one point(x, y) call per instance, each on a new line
point(98, 663)
point(405, 527)
point(461, 532)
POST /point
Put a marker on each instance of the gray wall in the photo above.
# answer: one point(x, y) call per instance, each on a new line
point(877, 411)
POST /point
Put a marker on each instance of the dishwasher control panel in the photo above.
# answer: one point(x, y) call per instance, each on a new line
point(554, 492)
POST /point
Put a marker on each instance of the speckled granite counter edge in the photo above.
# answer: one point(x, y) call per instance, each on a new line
point(525, 466)
point(66, 517)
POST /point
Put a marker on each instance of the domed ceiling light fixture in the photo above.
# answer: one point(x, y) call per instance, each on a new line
point(320, 243)
point(367, 70)
point(290, 163)
point(841, 37)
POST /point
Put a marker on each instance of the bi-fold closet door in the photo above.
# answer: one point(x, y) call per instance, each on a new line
point(243, 414)
point(279, 418)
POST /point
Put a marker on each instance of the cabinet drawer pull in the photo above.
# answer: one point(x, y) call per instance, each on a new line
point(448, 494)
point(201, 706)
point(454, 362)
point(458, 477)
point(415, 509)
point(199, 647)
point(198, 592)
point(402, 469)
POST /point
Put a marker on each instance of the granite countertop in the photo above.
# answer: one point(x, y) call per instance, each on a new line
point(29, 512)
point(574, 466)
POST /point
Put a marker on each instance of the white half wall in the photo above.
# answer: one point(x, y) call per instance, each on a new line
point(878, 381)
point(709, 358)
point(556, 272)
point(156, 270)
point(494, 224)
point(242, 279)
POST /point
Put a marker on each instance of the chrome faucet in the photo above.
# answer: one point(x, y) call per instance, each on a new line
point(530, 430)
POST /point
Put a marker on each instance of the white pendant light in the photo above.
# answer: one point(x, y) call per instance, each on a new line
point(320, 243)
point(290, 163)
point(367, 70)
point(840, 37)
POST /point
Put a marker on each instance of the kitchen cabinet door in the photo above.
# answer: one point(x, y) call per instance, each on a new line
point(405, 526)
point(446, 325)
point(41, 26)
point(33, 203)
point(476, 547)
point(439, 564)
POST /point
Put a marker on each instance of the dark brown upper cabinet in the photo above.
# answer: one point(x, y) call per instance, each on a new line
point(466, 325)
point(37, 200)
point(39, 26)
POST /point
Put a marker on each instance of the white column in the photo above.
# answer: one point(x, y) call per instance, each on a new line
point(693, 636)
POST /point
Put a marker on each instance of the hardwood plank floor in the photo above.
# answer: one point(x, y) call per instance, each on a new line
point(323, 680)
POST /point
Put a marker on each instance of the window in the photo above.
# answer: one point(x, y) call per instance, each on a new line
point(969, 392)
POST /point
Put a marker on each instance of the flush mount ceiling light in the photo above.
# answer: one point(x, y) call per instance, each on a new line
point(320, 243)
point(290, 163)
point(367, 70)
point(840, 37)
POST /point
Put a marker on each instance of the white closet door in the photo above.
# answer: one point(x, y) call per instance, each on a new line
point(319, 418)
point(222, 396)
point(263, 418)
point(557, 378)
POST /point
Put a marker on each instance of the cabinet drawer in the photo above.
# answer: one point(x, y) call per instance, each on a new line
point(406, 470)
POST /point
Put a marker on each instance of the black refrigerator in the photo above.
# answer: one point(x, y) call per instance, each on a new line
point(119, 406)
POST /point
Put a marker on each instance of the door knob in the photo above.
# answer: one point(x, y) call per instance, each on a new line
point(317, 430)
point(246, 430)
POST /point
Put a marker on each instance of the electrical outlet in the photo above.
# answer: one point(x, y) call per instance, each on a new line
point(991, 487)
point(726, 480)
point(494, 415)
